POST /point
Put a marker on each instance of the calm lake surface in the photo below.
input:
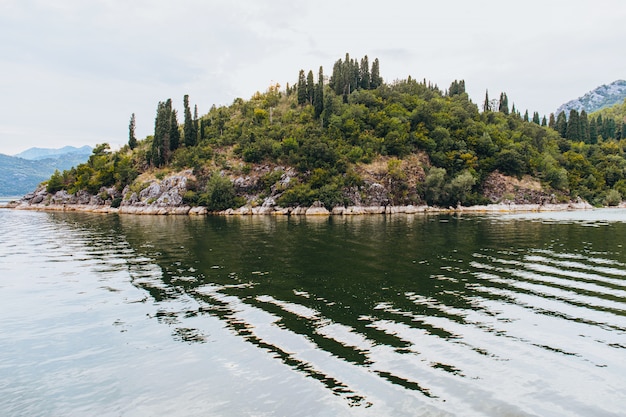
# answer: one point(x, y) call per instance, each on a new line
point(510, 315)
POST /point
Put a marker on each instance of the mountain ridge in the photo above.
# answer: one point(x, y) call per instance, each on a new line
point(19, 175)
point(601, 97)
point(35, 153)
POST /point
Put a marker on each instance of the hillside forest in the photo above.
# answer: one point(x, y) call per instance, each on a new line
point(429, 146)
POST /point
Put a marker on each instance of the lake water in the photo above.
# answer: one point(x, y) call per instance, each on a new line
point(511, 315)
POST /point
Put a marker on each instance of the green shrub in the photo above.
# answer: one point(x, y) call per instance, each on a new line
point(612, 198)
point(219, 195)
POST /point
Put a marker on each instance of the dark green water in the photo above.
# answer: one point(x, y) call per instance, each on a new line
point(398, 315)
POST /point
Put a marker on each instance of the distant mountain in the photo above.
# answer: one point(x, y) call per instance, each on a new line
point(601, 97)
point(19, 176)
point(36, 154)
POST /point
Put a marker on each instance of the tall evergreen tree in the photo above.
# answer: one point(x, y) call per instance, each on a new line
point(456, 88)
point(174, 132)
point(336, 79)
point(487, 103)
point(302, 96)
point(310, 87)
point(132, 140)
point(573, 126)
point(365, 73)
point(196, 126)
point(188, 128)
point(544, 121)
point(561, 124)
point(552, 122)
point(376, 80)
point(593, 131)
point(318, 98)
point(161, 140)
point(526, 119)
point(536, 118)
point(583, 128)
point(504, 104)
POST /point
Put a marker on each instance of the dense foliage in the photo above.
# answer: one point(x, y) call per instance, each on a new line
point(329, 129)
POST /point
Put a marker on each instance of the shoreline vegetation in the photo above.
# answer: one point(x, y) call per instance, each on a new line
point(350, 143)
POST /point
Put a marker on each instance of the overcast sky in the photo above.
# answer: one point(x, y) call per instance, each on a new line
point(73, 71)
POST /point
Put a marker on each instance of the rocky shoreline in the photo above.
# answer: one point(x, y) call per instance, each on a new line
point(315, 210)
point(166, 197)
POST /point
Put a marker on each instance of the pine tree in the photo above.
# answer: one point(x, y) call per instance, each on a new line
point(544, 121)
point(188, 128)
point(526, 116)
point(132, 140)
point(552, 122)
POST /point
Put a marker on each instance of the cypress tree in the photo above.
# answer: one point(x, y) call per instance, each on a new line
point(487, 104)
point(552, 122)
point(593, 131)
point(376, 80)
point(310, 87)
point(160, 141)
point(536, 118)
point(608, 128)
point(174, 132)
point(456, 88)
point(504, 104)
point(544, 121)
point(132, 140)
point(573, 125)
point(583, 128)
point(561, 124)
point(365, 73)
point(188, 128)
point(336, 79)
point(196, 128)
point(301, 88)
point(526, 116)
point(318, 98)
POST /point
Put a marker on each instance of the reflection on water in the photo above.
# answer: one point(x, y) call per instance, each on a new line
point(400, 315)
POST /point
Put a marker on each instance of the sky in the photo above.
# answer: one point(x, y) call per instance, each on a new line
point(72, 71)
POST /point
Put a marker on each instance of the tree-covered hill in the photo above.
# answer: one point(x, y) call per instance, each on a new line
point(351, 139)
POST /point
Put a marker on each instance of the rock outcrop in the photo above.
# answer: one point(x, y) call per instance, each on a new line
point(155, 197)
point(166, 197)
